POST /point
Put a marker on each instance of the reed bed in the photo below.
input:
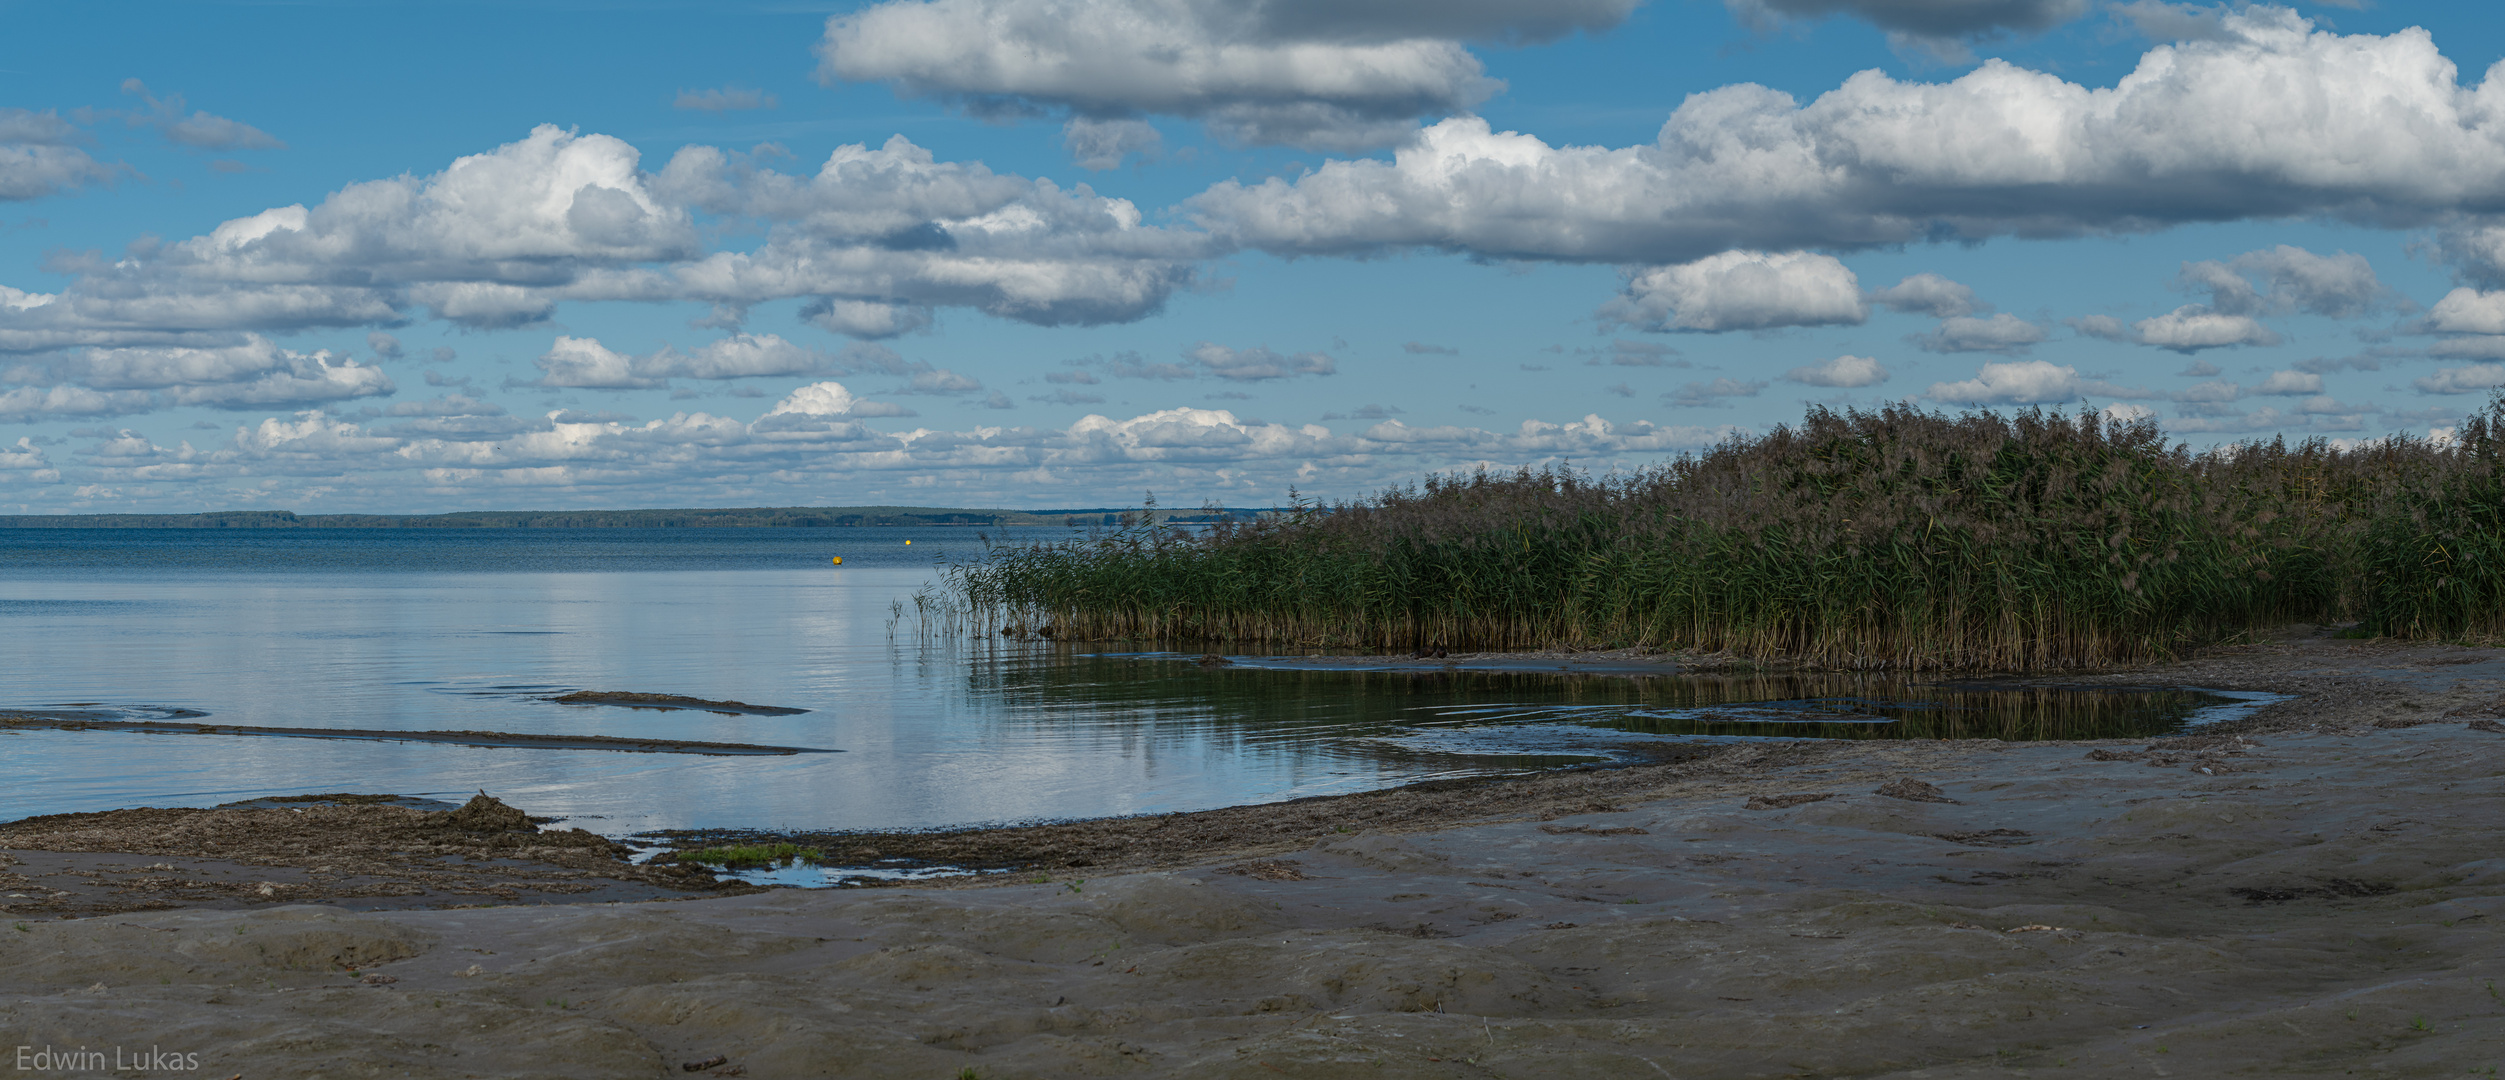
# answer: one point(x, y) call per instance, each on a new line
point(1895, 538)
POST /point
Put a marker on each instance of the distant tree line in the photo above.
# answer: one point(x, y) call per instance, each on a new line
point(801, 517)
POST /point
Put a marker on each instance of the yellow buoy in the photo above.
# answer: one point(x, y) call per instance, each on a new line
point(839, 560)
point(908, 543)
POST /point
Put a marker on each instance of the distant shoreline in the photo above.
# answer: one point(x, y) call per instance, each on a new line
point(802, 517)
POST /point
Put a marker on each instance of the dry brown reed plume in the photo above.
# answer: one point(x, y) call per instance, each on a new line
point(1897, 538)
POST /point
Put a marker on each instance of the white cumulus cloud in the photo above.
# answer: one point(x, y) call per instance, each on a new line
point(2341, 286)
point(1258, 364)
point(493, 240)
point(587, 364)
point(2368, 127)
point(2193, 327)
point(2002, 333)
point(1312, 73)
point(27, 404)
point(1097, 145)
point(2290, 384)
point(873, 244)
point(1843, 371)
point(830, 399)
point(2026, 382)
point(2125, 413)
point(816, 438)
point(2468, 311)
point(878, 237)
point(2462, 380)
point(1741, 290)
point(1930, 294)
point(28, 461)
point(252, 374)
point(38, 156)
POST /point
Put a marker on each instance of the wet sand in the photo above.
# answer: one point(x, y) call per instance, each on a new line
point(2319, 890)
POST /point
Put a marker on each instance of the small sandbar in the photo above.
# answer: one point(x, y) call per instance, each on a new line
point(351, 851)
point(499, 739)
point(627, 700)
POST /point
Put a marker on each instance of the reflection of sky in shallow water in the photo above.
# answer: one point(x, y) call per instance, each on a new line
point(801, 875)
point(473, 630)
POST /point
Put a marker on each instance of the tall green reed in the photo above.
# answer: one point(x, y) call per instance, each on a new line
point(1895, 538)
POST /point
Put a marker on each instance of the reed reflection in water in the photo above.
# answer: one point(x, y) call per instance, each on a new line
point(1279, 699)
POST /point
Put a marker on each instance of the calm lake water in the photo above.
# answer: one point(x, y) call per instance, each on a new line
point(473, 630)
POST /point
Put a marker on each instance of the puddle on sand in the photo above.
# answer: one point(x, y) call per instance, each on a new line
point(805, 876)
point(801, 874)
point(1640, 718)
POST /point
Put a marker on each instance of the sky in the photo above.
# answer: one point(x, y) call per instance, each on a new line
point(333, 256)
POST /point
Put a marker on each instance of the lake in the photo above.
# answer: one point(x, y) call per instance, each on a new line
point(475, 630)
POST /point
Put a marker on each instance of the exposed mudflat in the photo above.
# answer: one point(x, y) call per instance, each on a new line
point(2320, 891)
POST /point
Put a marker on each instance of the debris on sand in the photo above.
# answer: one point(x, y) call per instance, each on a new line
point(1987, 837)
point(1914, 791)
point(1785, 802)
point(1267, 870)
point(484, 814)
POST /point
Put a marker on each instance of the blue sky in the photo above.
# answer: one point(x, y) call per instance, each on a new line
point(424, 257)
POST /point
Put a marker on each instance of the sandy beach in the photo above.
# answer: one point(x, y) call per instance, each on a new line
point(2318, 889)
